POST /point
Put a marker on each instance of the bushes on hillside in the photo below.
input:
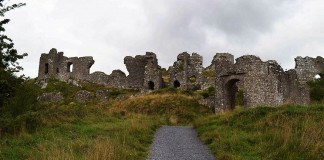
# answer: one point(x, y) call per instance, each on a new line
point(18, 113)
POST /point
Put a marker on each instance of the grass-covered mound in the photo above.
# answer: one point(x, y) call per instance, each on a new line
point(288, 132)
point(181, 109)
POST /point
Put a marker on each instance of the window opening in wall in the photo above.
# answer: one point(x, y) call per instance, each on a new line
point(57, 70)
point(176, 84)
point(151, 85)
point(192, 79)
point(69, 67)
point(318, 76)
point(46, 68)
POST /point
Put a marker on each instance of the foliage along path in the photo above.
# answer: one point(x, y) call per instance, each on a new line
point(178, 142)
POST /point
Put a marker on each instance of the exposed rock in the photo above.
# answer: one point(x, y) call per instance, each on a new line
point(83, 96)
point(51, 97)
point(102, 95)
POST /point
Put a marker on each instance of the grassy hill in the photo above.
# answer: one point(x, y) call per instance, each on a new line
point(287, 132)
point(116, 129)
point(123, 127)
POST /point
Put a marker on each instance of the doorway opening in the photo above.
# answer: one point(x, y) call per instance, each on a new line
point(234, 95)
point(151, 85)
point(176, 84)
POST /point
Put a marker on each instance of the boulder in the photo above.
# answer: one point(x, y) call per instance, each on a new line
point(83, 96)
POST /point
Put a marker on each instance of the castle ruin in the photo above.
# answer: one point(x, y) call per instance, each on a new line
point(262, 83)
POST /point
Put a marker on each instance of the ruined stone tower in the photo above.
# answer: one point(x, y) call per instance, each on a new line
point(186, 72)
point(144, 72)
point(56, 65)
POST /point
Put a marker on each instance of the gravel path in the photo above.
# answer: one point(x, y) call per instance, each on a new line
point(178, 143)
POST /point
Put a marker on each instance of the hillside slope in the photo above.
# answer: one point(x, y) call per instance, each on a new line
point(287, 132)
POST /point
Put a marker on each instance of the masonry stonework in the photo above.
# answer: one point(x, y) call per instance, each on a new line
point(186, 72)
point(262, 82)
point(55, 65)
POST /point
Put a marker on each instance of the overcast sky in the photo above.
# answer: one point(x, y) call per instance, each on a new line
point(109, 30)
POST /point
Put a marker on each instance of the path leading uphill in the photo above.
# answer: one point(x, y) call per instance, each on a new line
point(178, 143)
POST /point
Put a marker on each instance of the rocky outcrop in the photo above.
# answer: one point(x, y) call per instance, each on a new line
point(83, 96)
point(51, 97)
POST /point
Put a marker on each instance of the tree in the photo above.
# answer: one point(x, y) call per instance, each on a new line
point(9, 58)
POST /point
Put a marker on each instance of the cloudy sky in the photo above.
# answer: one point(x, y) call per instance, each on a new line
point(109, 30)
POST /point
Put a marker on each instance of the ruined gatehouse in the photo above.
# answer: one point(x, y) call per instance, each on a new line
point(262, 83)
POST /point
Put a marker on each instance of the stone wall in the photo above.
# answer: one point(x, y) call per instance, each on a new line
point(306, 68)
point(263, 83)
point(116, 79)
point(56, 65)
point(186, 72)
point(143, 71)
point(152, 74)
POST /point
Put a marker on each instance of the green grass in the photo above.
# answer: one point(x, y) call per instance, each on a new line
point(124, 128)
point(288, 132)
point(116, 129)
point(181, 109)
point(82, 132)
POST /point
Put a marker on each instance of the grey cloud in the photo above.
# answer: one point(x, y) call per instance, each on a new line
point(111, 29)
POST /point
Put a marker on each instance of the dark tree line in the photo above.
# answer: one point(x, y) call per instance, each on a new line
point(9, 57)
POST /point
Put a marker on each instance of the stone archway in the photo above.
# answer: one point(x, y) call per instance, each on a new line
point(176, 84)
point(151, 85)
point(230, 93)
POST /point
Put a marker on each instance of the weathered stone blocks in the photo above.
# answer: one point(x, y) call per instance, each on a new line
point(263, 83)
point(51, 97)
point(83, 96)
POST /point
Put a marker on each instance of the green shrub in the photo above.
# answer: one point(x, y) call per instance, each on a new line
point(68, 90)
point(19, 113)
point(208, 93)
